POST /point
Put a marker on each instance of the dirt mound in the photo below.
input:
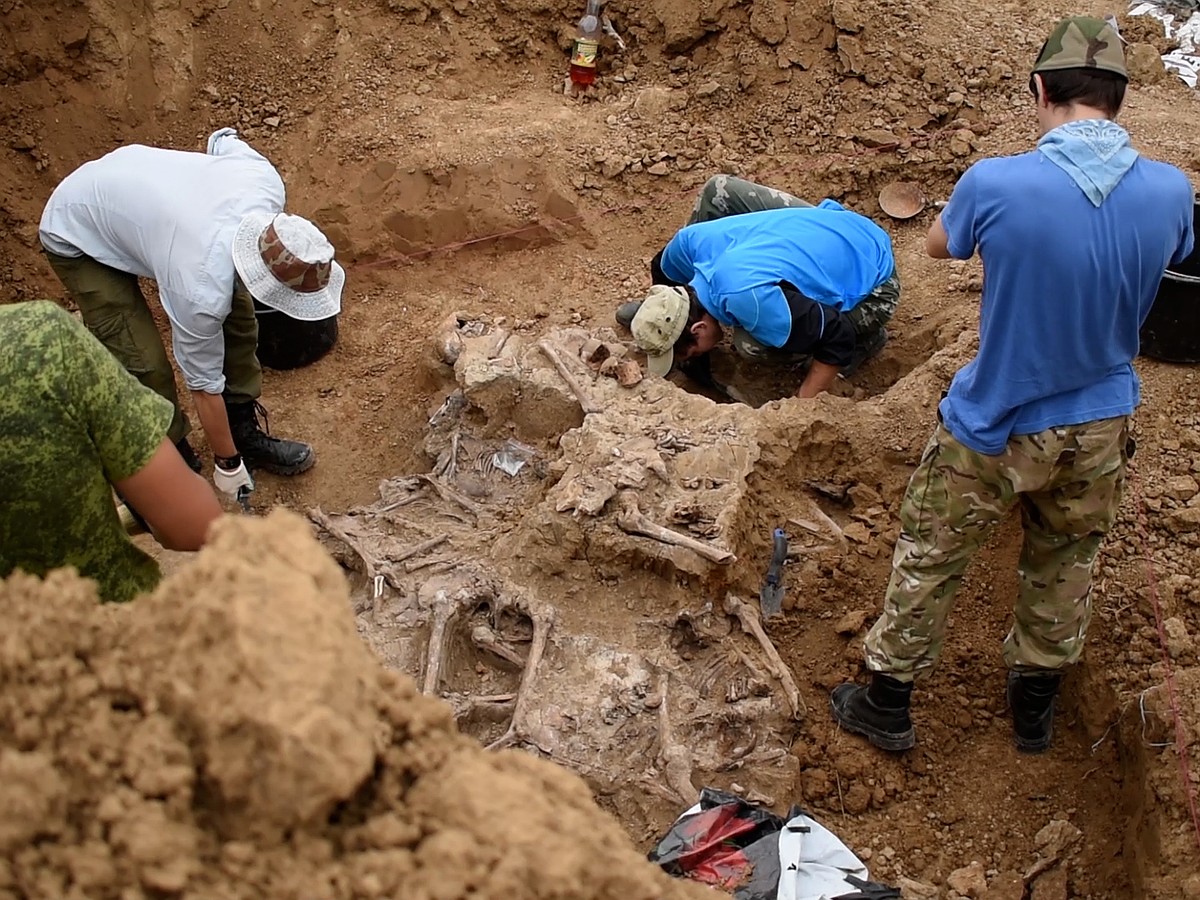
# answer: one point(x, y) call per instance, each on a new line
point(231, 736)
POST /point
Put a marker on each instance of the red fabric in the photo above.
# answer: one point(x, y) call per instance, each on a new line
point(711, 855)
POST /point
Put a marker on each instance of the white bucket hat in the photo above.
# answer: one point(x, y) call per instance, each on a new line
point(287, 264)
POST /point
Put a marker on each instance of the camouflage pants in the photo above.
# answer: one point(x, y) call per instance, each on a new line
point(728, 195)
point(115, 311)
point(1068, 483)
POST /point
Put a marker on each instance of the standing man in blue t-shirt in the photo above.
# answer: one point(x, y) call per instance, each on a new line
point(799, 285)
point(1074, 238)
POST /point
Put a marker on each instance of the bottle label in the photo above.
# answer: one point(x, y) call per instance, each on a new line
point(584, 53)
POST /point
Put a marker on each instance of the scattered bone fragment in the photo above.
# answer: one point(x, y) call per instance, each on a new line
point(371, 563)
point(748, 615)
point(595, 352)
point(450, 494)
point(631, 520)
point(448, 341)
point(485, 638)
point(609, 367)
point(585, 400)
point(586, 495)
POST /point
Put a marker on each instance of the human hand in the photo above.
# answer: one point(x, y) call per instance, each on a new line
point(234, 480)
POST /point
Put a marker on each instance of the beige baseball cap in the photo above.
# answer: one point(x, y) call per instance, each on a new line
point(658, 324)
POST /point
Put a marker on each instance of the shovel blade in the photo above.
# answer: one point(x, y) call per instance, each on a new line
point(771, 599)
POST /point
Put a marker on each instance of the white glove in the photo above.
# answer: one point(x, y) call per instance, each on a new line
point(231, 482)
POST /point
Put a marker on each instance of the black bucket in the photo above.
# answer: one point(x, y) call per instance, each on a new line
point(287, 343)
point(1171, 332)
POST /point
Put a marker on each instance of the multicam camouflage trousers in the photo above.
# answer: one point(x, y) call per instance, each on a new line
point(1068, 483)
point(728, 195)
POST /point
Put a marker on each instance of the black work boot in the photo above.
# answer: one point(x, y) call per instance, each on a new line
point(1031, 696)
point(259, 449)
point(626, 312)
point(879, 712)
point(189, 455)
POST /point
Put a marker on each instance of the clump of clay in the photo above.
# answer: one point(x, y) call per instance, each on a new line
point(230, 736)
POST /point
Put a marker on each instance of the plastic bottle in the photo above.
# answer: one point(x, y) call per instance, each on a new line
point(587, 43)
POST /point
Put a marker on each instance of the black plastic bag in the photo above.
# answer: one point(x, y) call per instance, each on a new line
point(729, 843)
point(743, 849)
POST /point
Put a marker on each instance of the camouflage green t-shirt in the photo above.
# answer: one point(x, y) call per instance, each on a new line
point(72, 422)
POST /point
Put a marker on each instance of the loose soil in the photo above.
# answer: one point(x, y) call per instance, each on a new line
point(434, 143)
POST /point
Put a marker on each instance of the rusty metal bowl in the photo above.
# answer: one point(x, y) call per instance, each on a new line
point(902, 199)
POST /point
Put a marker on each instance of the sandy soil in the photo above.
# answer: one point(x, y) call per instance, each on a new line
point(409, 127)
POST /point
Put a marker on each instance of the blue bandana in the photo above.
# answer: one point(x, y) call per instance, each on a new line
point(1095, 152)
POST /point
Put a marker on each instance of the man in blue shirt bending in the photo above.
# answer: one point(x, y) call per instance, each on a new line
point(798, 284)
point(1074, 238)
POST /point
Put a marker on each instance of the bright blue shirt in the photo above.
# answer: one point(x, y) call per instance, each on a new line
point(735, 264)
point(1066, 288)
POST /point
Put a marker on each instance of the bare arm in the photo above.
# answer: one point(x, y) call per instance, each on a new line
point(177, 504)
point(819, 379)
point(215, 421)
point(937, 242)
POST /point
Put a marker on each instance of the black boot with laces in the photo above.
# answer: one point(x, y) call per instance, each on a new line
point(259, 449)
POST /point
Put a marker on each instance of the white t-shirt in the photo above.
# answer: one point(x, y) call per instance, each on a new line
point(169, 215)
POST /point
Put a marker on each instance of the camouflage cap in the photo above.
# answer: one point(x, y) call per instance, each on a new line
point(1082, 42)
point(659, 322)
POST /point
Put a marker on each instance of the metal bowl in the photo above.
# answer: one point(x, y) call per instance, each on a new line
point(902, 199)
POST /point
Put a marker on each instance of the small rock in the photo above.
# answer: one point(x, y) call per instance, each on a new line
point(24, 143)
point(1179, 642)
point(916, 890)
point(876, 138)
point(708, 89)
point(852, 622)
point(847, 16)
point(272, 121)
point(659, 168)
point(1006, 886)
point(613, 166)
point(1051, 886)
point(857, 532)
point(1144, 63)
point(629, 372)
point(1056, 838)
point(1182, 488)
point(970, 881)
point(960, 142)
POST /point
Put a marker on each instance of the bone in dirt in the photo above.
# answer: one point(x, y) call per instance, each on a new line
point(631, 520)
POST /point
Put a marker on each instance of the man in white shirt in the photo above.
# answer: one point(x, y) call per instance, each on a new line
point(209, 228)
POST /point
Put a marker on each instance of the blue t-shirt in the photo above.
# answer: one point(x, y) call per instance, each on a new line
point(735, 264)
point(1066, 288)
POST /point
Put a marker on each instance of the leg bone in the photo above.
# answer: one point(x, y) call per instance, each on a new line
point(543, 621)
point(675, 758)
point(631, 520)
point(748, 617)
point(445, 610)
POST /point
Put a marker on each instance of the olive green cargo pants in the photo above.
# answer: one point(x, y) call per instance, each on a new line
point(116, 312)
